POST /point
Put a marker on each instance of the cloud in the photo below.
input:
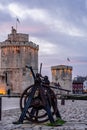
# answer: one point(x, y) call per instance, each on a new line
point(42, 15)
point(1, 7)
point(46, 48)
point(35, 14)
point(58, 26)
point(14, 10)
point(67, 28)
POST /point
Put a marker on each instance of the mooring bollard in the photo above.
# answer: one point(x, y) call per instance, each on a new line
point(62, 101)
point(0, 107)
point(9, 92)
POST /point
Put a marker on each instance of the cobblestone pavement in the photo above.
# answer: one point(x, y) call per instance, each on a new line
point(75, 114)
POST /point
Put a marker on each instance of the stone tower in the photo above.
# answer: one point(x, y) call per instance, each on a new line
point(62, 74)
point(15, 53)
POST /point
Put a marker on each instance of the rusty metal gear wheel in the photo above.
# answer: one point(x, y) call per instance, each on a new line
point(36, 113)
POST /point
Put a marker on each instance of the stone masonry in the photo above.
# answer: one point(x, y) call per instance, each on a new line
point(15, 53)
point(62, 75)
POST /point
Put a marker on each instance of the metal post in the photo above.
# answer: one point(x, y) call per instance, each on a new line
point(62, 101)
point(0, 107)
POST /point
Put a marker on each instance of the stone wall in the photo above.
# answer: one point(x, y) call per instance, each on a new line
point(15, 53)
point(62, 74)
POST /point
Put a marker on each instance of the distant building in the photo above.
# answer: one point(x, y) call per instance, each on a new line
point(78, 85)
point(15, 53)
point(62, 75)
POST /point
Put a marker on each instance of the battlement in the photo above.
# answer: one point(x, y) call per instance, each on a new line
point(12, 44)
point(18, 39)
point(60, 67)
point(14, 36)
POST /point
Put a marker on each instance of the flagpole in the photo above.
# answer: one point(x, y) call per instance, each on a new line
point(16, 24)
point(17, 21)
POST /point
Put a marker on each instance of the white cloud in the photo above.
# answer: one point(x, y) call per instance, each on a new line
point(63, 26)
point(15, 10)
point(2, 7)
point(37, 14)
point(41, 15)
point(23, 12)
point(46, 48)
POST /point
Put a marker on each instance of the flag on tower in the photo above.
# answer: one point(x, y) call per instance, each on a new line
point(68, 59)
point(18, 20)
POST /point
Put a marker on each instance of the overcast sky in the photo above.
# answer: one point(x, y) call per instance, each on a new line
point(59, 27)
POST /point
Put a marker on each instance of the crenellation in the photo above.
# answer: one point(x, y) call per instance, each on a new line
point(14, 36)
point(30, 44)
point(18, 37)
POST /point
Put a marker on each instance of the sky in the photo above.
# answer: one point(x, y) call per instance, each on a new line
point(59, 27)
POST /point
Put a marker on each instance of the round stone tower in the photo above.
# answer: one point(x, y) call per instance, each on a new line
point(15, 53)
point(62, 75)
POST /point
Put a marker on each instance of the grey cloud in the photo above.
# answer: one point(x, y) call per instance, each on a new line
point(5, 17)
point(71, 12)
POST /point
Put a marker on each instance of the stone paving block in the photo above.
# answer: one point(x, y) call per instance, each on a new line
point(76, 118)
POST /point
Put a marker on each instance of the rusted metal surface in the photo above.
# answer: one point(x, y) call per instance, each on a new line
point(38, 102)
